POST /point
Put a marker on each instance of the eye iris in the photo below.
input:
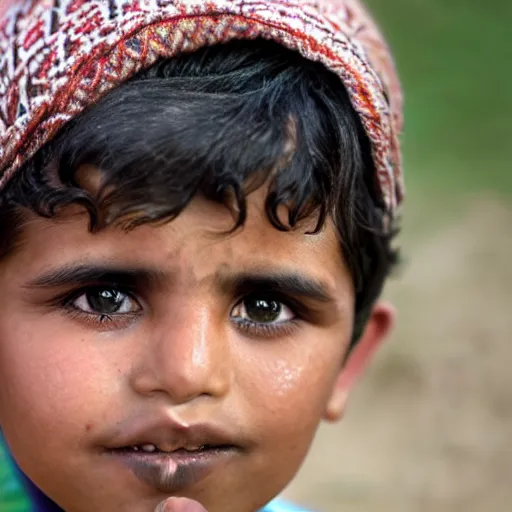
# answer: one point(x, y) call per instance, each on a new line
point(262, 310)
point(104, 300)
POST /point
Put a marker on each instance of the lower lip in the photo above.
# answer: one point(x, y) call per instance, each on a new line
point(171, 472)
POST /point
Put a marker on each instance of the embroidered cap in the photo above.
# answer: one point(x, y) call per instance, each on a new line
point(59, 56)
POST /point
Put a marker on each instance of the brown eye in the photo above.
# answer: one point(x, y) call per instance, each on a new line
point(105, 301)
point(262, 310)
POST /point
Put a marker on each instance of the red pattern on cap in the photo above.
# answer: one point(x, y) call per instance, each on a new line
point(59, 56)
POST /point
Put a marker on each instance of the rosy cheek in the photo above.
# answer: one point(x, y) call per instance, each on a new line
point(294, 387)
point(287, 378)
point(43, 366)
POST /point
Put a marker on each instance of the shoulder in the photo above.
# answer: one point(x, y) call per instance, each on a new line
point(282, 506)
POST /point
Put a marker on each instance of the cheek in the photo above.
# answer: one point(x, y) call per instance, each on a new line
point(287, 388)
point(291, 386)
point(45, 381)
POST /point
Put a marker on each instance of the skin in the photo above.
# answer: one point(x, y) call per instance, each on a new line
point(67, 380)
point(180, 505)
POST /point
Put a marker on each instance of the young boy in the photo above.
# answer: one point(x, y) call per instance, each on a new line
point(198, 201)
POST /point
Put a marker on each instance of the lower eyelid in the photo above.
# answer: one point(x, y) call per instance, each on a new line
point(254, 330)
point(95, 321)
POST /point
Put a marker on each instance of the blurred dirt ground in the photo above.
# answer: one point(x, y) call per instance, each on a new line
point(430, 427)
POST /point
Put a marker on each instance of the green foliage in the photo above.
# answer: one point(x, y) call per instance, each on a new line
point(454, 61)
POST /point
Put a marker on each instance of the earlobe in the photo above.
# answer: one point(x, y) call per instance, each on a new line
point(378, 327)
point(336, 405)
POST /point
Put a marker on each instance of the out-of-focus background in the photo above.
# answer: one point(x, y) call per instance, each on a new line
point(430, 427)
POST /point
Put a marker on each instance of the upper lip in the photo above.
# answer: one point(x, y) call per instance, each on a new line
point(169, 435)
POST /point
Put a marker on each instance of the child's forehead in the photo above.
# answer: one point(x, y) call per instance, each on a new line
point(196, 246)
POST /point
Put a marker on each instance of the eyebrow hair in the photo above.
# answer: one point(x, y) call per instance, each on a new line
point(84, 274)
point(286, 282)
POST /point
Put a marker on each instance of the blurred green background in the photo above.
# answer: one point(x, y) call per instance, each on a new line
point(453, 57)
point(429, 428)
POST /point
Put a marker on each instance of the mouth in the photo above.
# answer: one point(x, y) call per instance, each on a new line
point(154, 449)
point(169, 455)
point(172, 471)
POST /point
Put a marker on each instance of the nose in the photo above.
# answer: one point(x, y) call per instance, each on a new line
point(187, 356)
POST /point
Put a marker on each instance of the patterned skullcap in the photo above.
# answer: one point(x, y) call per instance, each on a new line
point(59, 56)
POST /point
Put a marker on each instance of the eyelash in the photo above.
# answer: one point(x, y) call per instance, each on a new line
point(103, 321)
point(122, 320)
point(253, 329)
point(267, 330)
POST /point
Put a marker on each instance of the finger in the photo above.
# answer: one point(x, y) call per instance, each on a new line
point(180, 505)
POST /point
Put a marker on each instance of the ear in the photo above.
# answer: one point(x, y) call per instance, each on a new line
point(379, 325)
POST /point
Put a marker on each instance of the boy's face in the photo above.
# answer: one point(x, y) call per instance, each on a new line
point(173, 337)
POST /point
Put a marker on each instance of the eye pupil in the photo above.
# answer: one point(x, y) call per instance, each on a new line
point(104, 300)
point(262, 310)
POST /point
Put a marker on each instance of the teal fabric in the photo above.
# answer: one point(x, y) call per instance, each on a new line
point(12, 498)
point(282, 506)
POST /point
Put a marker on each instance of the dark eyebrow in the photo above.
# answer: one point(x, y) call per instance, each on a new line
point(82, 274)
point(287, 283)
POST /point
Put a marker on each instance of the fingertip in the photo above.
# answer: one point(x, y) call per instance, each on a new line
point(180, 505)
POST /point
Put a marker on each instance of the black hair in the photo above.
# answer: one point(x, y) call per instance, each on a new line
point(220, 122)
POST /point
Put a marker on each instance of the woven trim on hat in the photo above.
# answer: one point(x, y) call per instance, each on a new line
point(65, 72)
